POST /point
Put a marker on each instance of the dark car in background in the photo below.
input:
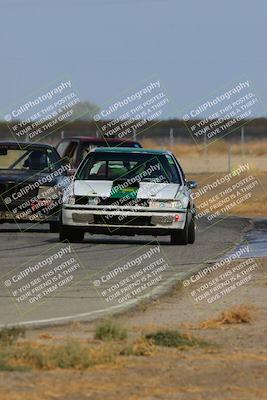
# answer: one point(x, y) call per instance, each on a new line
point(32, 181)
point(75, 149)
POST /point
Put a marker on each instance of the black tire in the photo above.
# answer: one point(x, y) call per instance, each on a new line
point(192, 231)
point(181, 236)
point(71, 235)
point(54, 226)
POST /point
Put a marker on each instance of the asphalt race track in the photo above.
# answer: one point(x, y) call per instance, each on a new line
point(82, 299)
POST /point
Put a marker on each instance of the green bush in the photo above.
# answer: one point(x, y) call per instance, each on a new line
point(71, 355)
point(170, 338)
point(108, 330)
point(10, 335)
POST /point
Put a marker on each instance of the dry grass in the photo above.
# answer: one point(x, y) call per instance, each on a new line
point(46, 336)
point(255, 147)
point(254, 207)
point(195, 159)
point(19, 354)
point(140, 347)
point(80, 354)
point(240, 314)
point(74, 354)
point(141, 370)
point(207, 168)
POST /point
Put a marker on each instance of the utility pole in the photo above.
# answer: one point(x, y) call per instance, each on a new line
point(243, 143)
point(134, 134)
point(206, 151)
point(229, 156)
point(171, 138)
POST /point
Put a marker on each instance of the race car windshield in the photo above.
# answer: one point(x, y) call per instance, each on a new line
point(14, 158)
point(129, 166)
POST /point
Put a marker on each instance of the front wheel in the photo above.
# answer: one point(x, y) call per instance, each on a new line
point(71, 235)
point(186, 235)
point(192, 231)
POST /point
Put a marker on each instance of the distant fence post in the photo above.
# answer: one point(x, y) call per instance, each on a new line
point(171, 138)
point(134, 134)
point(229, 156)
point(243, 143)
point(62, 134)
point(97, 133)
point(206, 151)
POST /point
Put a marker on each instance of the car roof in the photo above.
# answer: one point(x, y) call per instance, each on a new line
point(25, 144)
point(130, 150)
point(99, 140)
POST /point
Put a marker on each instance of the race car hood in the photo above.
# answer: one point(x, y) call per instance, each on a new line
point(144, 190)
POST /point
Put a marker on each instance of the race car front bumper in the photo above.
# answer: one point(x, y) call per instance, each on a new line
point(113, 221)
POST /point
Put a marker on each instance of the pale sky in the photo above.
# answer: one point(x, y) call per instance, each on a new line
point(109, 46)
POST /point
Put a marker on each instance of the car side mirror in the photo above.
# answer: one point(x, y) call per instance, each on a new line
point(71, 172)
point(191, 184)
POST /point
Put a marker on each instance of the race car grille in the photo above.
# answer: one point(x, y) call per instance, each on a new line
point(82, 200)
point(109, 201)
point(121, 220)
point(124, 201)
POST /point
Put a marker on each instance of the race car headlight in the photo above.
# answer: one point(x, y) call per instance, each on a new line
point(165, 204)
point(69, 200)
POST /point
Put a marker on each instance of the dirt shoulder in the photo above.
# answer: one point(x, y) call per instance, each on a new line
point(232, 366)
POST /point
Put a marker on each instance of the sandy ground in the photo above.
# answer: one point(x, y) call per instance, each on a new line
point(233, 367)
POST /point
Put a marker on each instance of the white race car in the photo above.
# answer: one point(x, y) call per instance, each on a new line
point(125, 191)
